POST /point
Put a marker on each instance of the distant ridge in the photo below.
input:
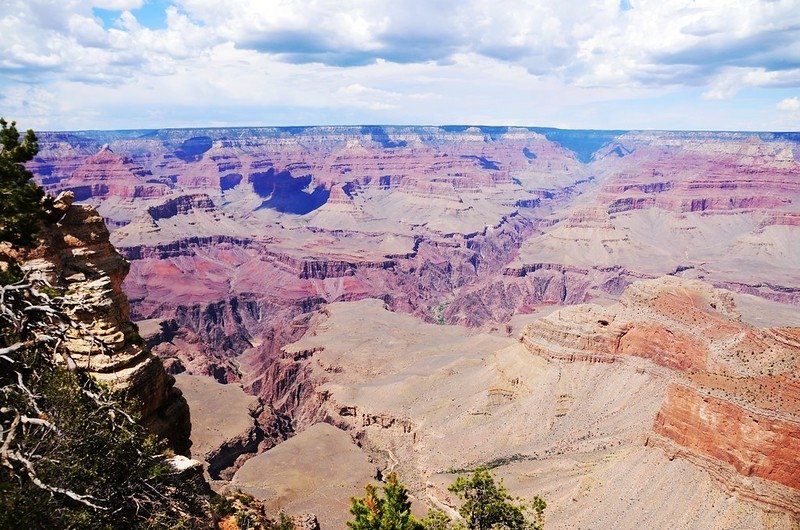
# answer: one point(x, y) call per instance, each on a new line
point(583, 142)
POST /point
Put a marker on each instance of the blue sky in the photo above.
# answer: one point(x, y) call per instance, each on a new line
point(151, 14)
point(617, 64)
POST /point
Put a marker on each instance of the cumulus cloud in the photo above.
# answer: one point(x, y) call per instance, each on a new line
point(600, 42)
point(41, 38)
point(117, 5)
point(791, 105)
point(391, 56)
point(595, 43)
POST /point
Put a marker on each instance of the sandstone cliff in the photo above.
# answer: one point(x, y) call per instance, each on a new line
point(77, 258)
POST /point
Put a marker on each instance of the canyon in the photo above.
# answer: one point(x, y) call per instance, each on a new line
point(606, 318)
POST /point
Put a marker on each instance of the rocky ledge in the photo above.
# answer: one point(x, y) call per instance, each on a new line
point(77, 259)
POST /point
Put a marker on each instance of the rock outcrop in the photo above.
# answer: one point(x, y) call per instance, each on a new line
point(108, 174)
point(733, 406)
point(228, 426)
point(77, 257)
point(287, 477)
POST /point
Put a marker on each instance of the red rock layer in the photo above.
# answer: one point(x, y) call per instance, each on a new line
point(687, 174)
point(754, 443)
point(733, 405)
point(108, 174)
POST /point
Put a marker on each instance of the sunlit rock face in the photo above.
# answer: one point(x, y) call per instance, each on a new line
point(666, 396)
point(76, 254)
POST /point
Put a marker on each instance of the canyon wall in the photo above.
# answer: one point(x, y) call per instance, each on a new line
point(733, 401)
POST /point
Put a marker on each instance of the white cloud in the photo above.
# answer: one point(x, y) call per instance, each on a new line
point(594, 43)
point(789, 104)
point(117, 5)
point(489, 60)
point(87, 31)
point(681, 42)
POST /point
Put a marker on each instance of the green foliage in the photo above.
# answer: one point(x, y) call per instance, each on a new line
point(366, 510)
point(487, 505)
point(21, 199)
point(102, 456)
point(396, 507)
point(284, 522)
point(538, 506)
point(222, 505)
point(392, 511)
point(10, 272)
point(438, 520)
point(49, 291)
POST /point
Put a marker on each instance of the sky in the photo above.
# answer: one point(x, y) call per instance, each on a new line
point(602, 64)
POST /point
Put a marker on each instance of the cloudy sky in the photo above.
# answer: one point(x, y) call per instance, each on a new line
point(621, 64)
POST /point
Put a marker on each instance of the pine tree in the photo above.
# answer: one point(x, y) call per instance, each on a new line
point(20, 199)
point(367, 511)
point(487, 505)
point(390, 512)
point(396, 507)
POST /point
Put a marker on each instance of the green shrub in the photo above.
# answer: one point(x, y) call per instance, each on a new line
point(71, 452)
point(487, 505)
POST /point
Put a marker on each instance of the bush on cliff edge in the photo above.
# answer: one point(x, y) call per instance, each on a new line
point(72, 454)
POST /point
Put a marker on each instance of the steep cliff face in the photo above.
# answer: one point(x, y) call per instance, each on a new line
point(733, 401)
point(77, 256)
point(752, 441)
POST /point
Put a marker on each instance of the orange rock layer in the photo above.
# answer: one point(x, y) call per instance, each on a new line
point(733, 403)
point(754, 443)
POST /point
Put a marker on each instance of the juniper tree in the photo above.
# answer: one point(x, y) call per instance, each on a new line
point(487, 505)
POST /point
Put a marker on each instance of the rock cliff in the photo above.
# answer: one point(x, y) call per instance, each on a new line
point(733, 403)
point(77, 257)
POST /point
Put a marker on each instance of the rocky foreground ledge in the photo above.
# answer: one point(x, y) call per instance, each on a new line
point(76, 255)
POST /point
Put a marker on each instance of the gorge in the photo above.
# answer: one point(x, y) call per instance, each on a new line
point(607, 318)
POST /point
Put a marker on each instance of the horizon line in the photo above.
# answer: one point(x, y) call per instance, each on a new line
point(531, 128)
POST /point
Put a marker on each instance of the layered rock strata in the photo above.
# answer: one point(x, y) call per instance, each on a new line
point(733, 406)
point(573, 412)
point(77, 258)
